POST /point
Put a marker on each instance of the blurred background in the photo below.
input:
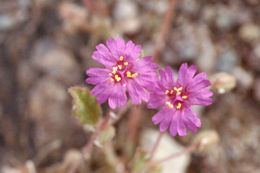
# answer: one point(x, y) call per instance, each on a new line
point(46, 46)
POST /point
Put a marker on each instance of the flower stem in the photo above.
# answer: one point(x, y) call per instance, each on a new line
point(186, 150)
point(163, 33)
point(157, 142)
point(121, 113)
point(88, 147)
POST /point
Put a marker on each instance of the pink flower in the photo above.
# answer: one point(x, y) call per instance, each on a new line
point(123, 72)
point(176, 98)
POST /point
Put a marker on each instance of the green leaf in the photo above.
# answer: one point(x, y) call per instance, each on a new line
point(85, 106)
point(140, 161)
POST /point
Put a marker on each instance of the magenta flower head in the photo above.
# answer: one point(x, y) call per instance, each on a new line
point(177, 97)
point(123, 72)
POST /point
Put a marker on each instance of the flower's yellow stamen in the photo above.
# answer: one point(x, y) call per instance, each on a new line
point(167, 91)
point(117, 78)
point(134, 75)
point(128, 74)
point(111, 79)
point(125, 63)
point(114, 70)
point(120, 67)
point(184, 97)
point(121, 58)
point(178, 90)
point(178, 106)
point(171, 91)
point(169, 104)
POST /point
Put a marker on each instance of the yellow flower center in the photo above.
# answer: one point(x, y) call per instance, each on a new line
point(178, 106)
point(117, 78)
point(184, 97)
point(114, 75)
point(178, 90)
point(120, 67)
point(130, 75)
point(169, 104)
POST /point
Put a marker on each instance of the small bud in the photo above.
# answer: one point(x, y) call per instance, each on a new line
point(206, 140)
point(223, 82)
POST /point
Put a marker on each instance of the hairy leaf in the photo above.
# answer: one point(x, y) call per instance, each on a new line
point(85, 106)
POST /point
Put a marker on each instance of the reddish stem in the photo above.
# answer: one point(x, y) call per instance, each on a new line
point(186, 150)
point(89, 4)
point(163, 33)
point(121, 113)
point(134, 122)
point(88, 147)
point(156, 144)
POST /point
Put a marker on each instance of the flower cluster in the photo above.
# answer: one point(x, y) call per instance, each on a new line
point(126, 72)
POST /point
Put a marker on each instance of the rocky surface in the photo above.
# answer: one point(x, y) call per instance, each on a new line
point(46, 46)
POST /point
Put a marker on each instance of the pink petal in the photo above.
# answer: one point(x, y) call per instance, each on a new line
point(145, 65)
point(112, 102)
point(137, 93)
point(198, 81)
point(199, 85)
point(103, 96)
point(173, 126)
point(129, 47)
point(163, 78)
point(102, 60)
point(167, 115)
point(181, 129)
point(191, 115)
point(121, 97)
point(181, 74)
point(148, 81)
point(112, 46)
point(190, 124)
point(158, 117)
point(133, 94)
point(185, 74)
point(169, 75)
point(136, 52)
point(97, 72)
point(117, 97)
point(120, 43)
point(103, 50)
point(98, 89)
point(156, 101)
point(96, 80)
point(201, 98)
